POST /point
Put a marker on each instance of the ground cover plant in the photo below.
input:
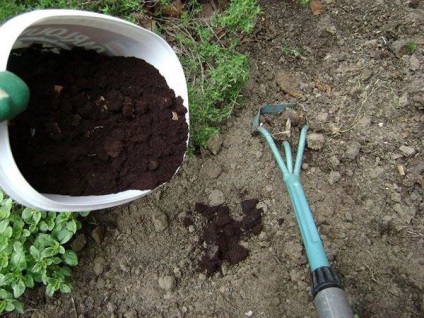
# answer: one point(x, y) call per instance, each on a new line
point(33, 250)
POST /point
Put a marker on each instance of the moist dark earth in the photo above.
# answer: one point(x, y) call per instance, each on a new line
point(350, 70)
point(95, 124)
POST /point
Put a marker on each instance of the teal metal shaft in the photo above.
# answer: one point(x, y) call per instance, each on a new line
point(311, 240)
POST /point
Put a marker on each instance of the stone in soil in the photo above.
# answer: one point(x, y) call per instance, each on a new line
point(94, 124)
point(315, 141)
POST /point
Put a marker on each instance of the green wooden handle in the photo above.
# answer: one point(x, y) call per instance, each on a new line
point(14, 95)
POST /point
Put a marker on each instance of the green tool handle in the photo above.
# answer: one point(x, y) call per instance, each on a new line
point(14, 95)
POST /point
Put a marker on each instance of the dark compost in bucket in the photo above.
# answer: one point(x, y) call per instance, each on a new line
point(95, 124)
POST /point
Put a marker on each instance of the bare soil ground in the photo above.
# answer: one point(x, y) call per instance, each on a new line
point(364, 92)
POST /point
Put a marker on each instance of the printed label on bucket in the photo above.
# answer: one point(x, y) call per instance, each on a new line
point(65, 36)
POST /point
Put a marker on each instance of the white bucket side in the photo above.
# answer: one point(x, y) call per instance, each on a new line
point(144, 44)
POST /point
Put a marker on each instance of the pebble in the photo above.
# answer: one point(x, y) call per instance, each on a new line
point(414, 63)
point(418, 100)
point(348, 217)
point(79, 242)
point(321, 117)
point(263, 206)
point(365, 121)
point(211, 169)
point(98, 265)
point(405, 213)
point(160, 221)
point(100, 284)
point(288, 83)
point(131, 314)
point(366, 75)
point(215, 144)
point(334, 177)
point(123, 265)
point(399, 48)
point(110, 307)
point(403, 100)
point(396, 197)
point(332, 29)
point(353, 150)
point(177, 272)
point(262, 89)
point(216, 197)
point(315, 141)
point(167, 282)
point(295, 275)
point(98, 234)
point(334, 161)
point(407, 151)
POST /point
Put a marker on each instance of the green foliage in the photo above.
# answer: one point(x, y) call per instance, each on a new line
point(295, 52)
point(411, 46)
point(239, 16)
point(215, 70)
point(124, 9)
point(32, 251)
point(304, 3)
point(8, 9)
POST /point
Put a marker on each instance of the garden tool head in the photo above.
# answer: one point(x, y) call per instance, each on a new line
point(14, 95)
point(329, 297)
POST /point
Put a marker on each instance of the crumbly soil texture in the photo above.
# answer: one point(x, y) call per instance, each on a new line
point(95, 124)
point(360, 85)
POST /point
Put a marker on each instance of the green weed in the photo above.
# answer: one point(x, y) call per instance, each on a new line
point(295, 52)
point(411, 46)
point(216, 71)
point(304, 3)
point(9, 8)
point(32, 251)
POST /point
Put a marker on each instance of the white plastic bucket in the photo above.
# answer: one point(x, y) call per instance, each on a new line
point(66, 29)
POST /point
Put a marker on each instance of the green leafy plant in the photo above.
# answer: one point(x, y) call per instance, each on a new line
point(32, 251)
point(411, 46)
point(304, 3)
point(295, 52)
point(215, 70)
point(124, 9)
point(9, 8)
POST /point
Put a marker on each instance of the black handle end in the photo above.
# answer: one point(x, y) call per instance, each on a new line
point(324, 277)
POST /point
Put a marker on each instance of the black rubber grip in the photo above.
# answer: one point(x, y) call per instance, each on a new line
point(324, 277)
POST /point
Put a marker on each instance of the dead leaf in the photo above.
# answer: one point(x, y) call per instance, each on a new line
point(322, 86)
point(288, 84)
point(174, 116)
point(146, 22)
point(316, 7)
point(175, 9)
